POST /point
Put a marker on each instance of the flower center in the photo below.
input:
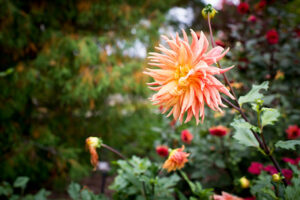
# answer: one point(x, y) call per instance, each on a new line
point(181, 73)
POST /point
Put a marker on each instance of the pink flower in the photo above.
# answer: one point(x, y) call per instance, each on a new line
point(272, 36)
point(252, 19)
point(185, 81)
point(255, 168)
point(293, 132)
point(271, 169)
point(162, 151)
point(290, 160)
point(226, 196)
point(243, 8)
point(288, 174)
point(218, 131)
point(186, 136)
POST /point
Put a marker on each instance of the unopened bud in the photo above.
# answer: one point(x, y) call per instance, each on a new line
point(245, 183)
point(276, 178)
point(208, 10)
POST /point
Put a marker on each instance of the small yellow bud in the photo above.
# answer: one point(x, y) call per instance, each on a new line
point(245, 183)
point(276, 177)
point(208, 10)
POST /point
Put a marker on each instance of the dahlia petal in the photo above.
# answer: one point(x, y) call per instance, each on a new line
point(185, 38)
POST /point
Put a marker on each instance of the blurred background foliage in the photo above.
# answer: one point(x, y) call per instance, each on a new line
point(72, 69)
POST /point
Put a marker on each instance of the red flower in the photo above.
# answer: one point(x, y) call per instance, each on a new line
point(252, 19)
point(255, 168)
point(186, 136)
point(243, 8)
point(220, 43)
point(297, 160)
point(271, 169)
point(262, 4)
point(289, 160)
point(218, 131)
point(292, 132)
point(162, 151)
point(297, 31)
point(288, 174)
point(272, 36)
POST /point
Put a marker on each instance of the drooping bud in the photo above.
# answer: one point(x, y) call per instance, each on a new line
point(92, 143)
point(208, 10)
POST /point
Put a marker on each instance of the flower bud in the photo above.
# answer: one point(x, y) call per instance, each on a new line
point(276, 177)
point(93, 142)
point(208, 10)
point(245, 183)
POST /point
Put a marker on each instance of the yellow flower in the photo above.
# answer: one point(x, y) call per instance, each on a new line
point(176, 160)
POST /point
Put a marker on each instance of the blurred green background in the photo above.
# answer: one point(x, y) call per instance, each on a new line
point(72, 69)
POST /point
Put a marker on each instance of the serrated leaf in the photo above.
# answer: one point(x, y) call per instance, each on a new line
point(21, 182)
point(269, 116)
point(290, 144)
point(254, 93)
point(241, 123)
point(243, 134)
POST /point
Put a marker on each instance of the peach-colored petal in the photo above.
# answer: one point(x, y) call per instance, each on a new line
point(185, 80)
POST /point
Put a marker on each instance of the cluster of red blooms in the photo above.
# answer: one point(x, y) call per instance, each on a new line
point(272, 35)
point(256, 168)
point(293, 132)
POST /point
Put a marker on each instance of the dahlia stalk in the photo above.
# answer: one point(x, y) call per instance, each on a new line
point(260, 139)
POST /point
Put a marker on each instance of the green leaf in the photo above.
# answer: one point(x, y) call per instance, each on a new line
point(269, 116)
point(42, 195)
point(243, 133)
point(254, 93)
point(21, 182)
point(6, 189)
point(290, 144)
point(74, 190)
point(85, 195)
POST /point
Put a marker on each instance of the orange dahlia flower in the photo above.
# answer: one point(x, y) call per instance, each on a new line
point(185, 80)
point(176, 160)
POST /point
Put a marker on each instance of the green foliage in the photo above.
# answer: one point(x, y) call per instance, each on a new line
point(290, 144)
point(76, 192)
point(139, 178)
point(198, 191)
point(10, 192)
point(269, 116)
point(254, 93)
point(262, 188)
point(243, 133)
